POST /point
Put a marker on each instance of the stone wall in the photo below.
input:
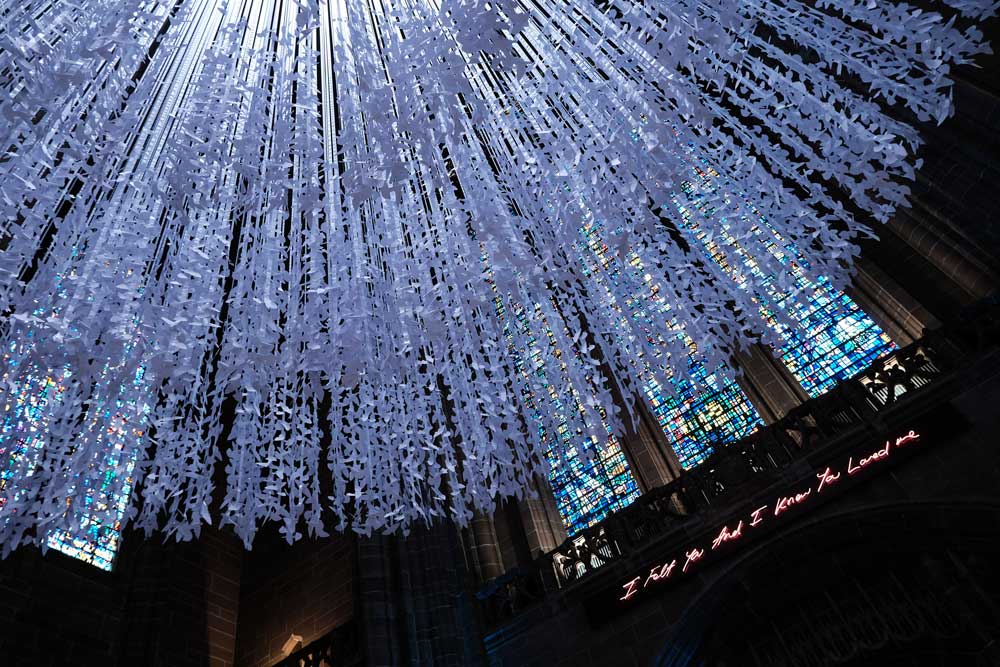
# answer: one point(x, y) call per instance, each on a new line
point(163, 605)
point(305, 589)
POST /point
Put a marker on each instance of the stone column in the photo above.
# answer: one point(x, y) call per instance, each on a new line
point(543, 527)
point(769, 385)
point(380, 610)
point(916, 227)
point(416, 604)
point(511, 538)
point(183, 601)
point(440, 620)
point(487, 549)
point(894, 309)
point(653, 461)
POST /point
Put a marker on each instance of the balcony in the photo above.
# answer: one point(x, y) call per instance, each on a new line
point(888, 395)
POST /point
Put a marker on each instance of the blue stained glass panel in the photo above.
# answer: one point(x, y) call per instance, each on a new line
point(31, 395)
point(831, 338)
point(699, 414)
point(585, 491)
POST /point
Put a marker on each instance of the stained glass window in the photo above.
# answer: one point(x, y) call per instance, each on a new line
point(699, 414)
point(31, 395)
point(585, 491)
point(825, 337)
point(95, 542)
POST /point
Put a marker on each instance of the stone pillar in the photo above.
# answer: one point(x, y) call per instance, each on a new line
point(434, 588)
point(917, 228)
point(653, 461)
point(183, 601)
point(487, 549)
point(380, 609)
point(894, 309)
point(943, 249)
point(303, 590)
point(768, 384)
point(511, 537)
point(647, 460)
point(755, 396)
point(416, 604)
point(957, 185)
point(543, 528)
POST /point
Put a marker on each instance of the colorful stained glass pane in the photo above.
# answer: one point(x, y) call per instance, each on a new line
point(93, 541)
point(825, 337)
point(585, 491)
point(699, 414)
point(32, 394)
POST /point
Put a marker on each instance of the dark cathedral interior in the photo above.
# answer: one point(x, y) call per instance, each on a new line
point(835, 502)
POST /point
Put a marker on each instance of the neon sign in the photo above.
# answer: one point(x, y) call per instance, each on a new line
point(732, 533)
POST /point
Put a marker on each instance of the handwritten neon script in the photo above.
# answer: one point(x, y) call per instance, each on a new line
point(733, 533)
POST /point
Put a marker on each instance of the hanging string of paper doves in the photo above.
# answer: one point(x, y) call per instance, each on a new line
point(271, 238)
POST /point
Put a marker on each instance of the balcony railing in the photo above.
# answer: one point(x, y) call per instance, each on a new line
point(338, 648)
point(753, 462)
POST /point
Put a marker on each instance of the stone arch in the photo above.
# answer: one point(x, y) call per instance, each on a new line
point(894, 584)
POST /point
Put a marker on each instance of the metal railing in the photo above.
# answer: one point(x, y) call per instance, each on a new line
point(756, 460)
point(340, 647)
